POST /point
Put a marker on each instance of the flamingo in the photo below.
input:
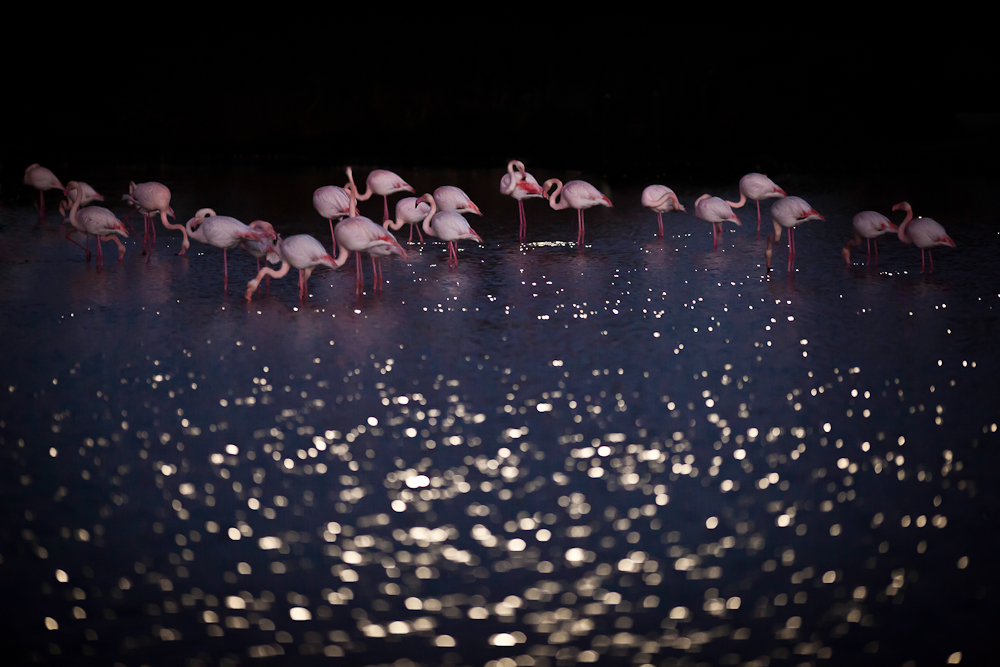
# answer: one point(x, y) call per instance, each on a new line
point(381, 182)
point(224, 232)
point(661, 199)
point(332, 202)
point(89, 195)
point(924, 233)
point(580, 195)
point(868, 225)
point(447, 226)
point(450, 198)
point(757, 186)
point(788, 212)
point(520, 185)
point(262, 247)
point(716, 211)
point(150, 198)
point(359, 234)
point(409, 211)
point(41, 179)
point(95, 220)
point(303, 252)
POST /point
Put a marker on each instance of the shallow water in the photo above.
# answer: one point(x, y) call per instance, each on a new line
point(640, 451)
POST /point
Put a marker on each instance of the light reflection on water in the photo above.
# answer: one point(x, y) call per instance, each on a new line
point(551, 455)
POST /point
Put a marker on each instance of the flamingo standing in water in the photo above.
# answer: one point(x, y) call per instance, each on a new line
point(716, 211)
point(756, 187)
point(301, 251)
point(924, 233)
point(868, 225)
point(89, 195)
point(410, 212)
point(359, 234)
point(661, 199)
point(226, 233)
point(380, 182)
point(95, 220)
point(450, 198)
point(150, 198)
point(520, 185)
point(41, 179)
point(580, 195)
point(333, 203)
point(449, 227)
point(788, 212)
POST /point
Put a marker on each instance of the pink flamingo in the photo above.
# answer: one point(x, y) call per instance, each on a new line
point(89, 195)
point(756, 187)
point(301, 251)
point(449, 227)
point(868, 225)
point(265, 247)
point(150, 198)
point(924, 233)
point(95, 220)
point(716, 211)
point(225, 232)
point(661, 199)
point(359, 234)
point(788, 212)
point(380, 182)
point(410, 212)
point(450, 198)
point(41, 179)
point(580, 195)
point(332, 203)
point(520, 185)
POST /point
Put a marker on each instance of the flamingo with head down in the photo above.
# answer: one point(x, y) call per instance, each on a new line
point(359, 234)
point(868, 225)
point(660, 199)
point(520, 185)
point(300, 251)
point(89, 195)
point(333, 203)
point(41, 179)
point(450, 198)
point(410, 212)
point(580, 195)
point(716, 211)
point(924, 233)
point(150, 198)
point(448, 226)
point(756, 187)
point(788, 212)
point(224, 232)
point(95, 220)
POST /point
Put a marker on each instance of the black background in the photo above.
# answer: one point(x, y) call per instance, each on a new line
point(626, 96)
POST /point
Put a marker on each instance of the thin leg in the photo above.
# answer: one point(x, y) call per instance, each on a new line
point(359, 281)
point(930, 255)
point(333, 238)
point(385, 208)
point(419, 233)
point(921, 260)
point(869, 252)
point(41, 210)
point(758, 216)
point(78, 245)
point(659, 220)
point(100, 252)
point(225, 270)
point(411, 234)
point(876, 251)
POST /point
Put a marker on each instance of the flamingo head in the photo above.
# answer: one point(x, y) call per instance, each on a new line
point(474, 208)
point(904, 206)
point(264, 229)
point(814, 215)
point(408, 188)
point(170, 211)
point(778, 191)
point(546, 184)
point(72, 185)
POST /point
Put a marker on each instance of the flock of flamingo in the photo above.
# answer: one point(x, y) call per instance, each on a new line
point(438, 214)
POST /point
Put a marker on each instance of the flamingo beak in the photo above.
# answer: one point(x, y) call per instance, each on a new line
point(781, 192)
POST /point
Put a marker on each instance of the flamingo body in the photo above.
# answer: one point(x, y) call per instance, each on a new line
point(380, 182)
point(789, 213)
point(716, 211)
point(359, 234)
point(520, 185)
point(925, 233)
point(580, 195)
point(660, 199)
point(410, 212)
point(450, 198)
point(95, 220)
point(151, 198)
point(89, 195)
point(867, 225)
point(41, 179)
point(222, 232)
point(756, 187)
point(301, 251)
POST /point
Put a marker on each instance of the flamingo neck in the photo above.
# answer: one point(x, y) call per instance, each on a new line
point(77, 198)
point(430, 214)
point(360, 197)
point(903, 236)
point(342, 254)
point(740, 203)
point(557, 193)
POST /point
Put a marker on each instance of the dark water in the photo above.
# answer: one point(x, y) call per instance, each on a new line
point(638, 452)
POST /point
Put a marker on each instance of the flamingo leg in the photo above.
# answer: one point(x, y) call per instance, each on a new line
point(524, 221)
point(931, 256)
point(758, 216)
point(301, 283)
point(152, 227)
point(359, 284)
point(225, 270)
point(411, 234)
point(332, 237)
point(385, 208)
point(419, 233)
point(921, 260)
point(121, 247)
point(100, 252)
point(78, 245)
point(876, 251)
point(659, 220)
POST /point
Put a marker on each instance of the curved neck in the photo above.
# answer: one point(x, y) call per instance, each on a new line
point(77, 198)
point(430, 214)
point(671, 196)
point(510, 173)
point(342, 254)
point(902, 227)
point(557, 194)
point(738, 204)
point(360, 197)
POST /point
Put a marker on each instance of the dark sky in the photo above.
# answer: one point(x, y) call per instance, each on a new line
point(625, 96)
